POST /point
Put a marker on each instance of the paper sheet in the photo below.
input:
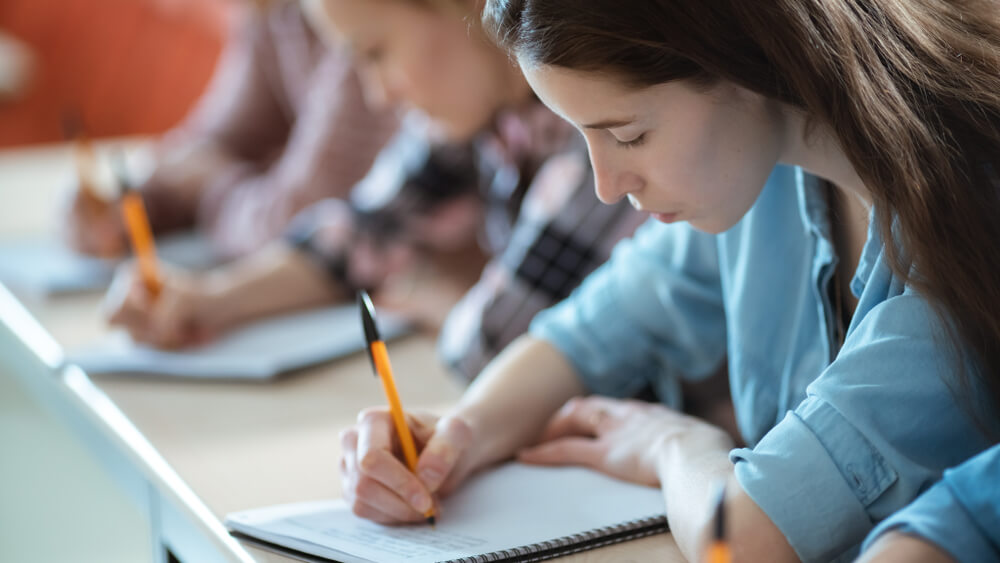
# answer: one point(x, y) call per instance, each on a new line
point(511, 506)
point(258, 351)
point(44, 267)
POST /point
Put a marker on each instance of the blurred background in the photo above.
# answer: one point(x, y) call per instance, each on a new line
point(129, 67)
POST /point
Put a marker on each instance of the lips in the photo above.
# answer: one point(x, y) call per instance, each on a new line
point(665, 217)
point(662, 217)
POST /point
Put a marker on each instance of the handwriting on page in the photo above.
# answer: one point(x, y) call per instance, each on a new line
point(401, 541)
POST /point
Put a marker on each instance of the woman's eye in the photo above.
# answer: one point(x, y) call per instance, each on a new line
point(632, 143)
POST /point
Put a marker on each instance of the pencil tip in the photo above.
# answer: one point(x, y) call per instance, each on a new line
point(120, 166)
point(720, 514)
point(368, 317)
point(432, 521)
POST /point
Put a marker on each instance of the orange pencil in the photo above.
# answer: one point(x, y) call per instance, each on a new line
point(140, 234)
point(379, 357)
point(718, 550)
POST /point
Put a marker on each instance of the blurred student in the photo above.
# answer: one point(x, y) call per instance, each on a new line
point(823, 177)
point(282, 125)
point(524, 194)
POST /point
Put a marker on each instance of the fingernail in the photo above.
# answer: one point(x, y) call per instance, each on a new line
point(421, 502)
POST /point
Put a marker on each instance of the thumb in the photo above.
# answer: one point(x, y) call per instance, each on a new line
point(451, 439)
point(422, 426)
point(124, 297)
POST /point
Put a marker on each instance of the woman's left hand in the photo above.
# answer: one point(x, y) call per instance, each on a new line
point(627, 439)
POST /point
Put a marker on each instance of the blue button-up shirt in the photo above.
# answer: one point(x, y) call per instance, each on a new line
point(961, 514)
point(838, 440)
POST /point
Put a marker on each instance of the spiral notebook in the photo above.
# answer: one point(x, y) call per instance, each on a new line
point(514, 512)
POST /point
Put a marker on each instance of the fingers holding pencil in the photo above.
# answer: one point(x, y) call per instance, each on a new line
point(375, 478)
point(93, 225)
point(181, 315)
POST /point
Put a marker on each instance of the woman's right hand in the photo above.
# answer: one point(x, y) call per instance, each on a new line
point(375, 478)
point(94, 226)
point(186, 311)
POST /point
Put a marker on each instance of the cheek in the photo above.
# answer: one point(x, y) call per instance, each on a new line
point(720, 159)
point(420, 75)
point(460, 92)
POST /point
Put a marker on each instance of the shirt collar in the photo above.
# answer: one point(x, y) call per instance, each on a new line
point(814, 210)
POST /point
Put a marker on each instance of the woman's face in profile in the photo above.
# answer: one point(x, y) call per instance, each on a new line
point(412, 55)
point(677, 151)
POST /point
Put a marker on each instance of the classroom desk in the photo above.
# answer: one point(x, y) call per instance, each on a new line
point(189, 452)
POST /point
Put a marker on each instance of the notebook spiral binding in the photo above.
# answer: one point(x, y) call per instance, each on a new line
point(574, 543)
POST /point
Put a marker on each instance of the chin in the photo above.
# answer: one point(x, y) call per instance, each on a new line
point(458, 131)
point(711, 227)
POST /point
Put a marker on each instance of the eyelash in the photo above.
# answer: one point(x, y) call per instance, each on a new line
point(633, 143)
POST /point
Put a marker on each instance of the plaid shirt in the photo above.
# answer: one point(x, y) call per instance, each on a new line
point(542, 224)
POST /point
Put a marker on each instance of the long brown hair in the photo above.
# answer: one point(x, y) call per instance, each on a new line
point(911, 89)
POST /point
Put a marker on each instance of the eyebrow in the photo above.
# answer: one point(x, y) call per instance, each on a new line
point(610, 123)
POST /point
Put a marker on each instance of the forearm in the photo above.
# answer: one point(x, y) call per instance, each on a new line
point(185, 167)
point(691, 478)
point(275, 279)
point(519, 391)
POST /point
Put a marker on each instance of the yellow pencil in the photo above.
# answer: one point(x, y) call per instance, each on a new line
point(718, 550)
point(140, 234)
point(379, 357)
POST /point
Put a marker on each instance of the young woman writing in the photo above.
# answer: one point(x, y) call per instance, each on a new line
point(827, 173)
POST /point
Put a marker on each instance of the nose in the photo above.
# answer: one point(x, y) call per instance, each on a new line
point(612, 181)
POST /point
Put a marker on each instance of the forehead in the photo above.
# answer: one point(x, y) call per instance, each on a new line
point(352, 19)
point(582, 96)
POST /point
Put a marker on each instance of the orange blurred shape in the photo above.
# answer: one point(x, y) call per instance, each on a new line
point(130, 66)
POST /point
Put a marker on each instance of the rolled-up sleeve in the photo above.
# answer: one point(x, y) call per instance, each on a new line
point(651, 315)
point(960, 514)
point(877, 428)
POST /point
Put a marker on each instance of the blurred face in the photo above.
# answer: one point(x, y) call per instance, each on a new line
point(680, 153)
point(412, 55)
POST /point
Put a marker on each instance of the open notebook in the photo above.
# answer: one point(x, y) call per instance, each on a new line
point(514, 512)
point(258, 351)
point(43, 267)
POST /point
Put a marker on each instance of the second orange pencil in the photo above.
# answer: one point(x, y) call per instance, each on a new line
point(141, 236)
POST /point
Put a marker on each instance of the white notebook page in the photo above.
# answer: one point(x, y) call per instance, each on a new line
point(511, 506)
point(43, 267)
point(258, 351)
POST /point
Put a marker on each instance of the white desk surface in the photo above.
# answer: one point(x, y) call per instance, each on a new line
point(241, 445)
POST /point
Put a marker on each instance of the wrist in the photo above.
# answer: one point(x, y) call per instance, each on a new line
point(217, 304)
point(480, 444)
point(678, 458)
